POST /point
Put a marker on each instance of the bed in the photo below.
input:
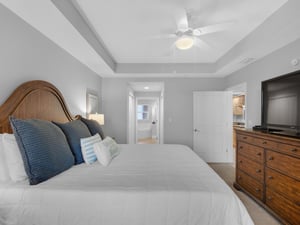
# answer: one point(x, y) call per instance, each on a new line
point(144, 184)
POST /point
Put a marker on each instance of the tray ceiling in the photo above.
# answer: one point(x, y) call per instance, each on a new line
point(127, 38)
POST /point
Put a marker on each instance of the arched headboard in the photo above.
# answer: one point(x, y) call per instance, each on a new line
point(34, 99)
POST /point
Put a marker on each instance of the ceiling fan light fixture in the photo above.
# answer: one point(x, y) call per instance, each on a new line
point(184, 43)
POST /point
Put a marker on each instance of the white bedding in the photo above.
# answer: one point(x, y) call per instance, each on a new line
point(144, 185)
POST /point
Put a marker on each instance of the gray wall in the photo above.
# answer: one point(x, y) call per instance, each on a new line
point(273, 65)
point(178, 105)
point(25, 54)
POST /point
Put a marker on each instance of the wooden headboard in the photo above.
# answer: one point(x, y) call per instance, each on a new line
point(34, 99)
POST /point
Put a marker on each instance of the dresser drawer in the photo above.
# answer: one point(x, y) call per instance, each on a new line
point(249, 184)
point(245, 138)
point(251, 151)
point(265, 143)
point(284, 163)
point(284, 185)
point(250, 167)
point(283, 207)
point(289, 149)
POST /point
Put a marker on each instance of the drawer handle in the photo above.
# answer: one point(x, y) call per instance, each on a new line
point(270, 177)
point(257, 189)
point(271, 158)
point(294, 150)
point(264, 143)
point(245, 138)
point(259, 154)
point(258, 171)
point(241, 161)
point(241, 147)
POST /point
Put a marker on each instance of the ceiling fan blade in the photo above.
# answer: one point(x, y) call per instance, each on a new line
point(182, 20)
point(201, 44)
point(163, 36)
point(212, 28)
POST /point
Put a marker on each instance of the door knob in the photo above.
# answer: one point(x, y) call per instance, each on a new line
point(196, 130)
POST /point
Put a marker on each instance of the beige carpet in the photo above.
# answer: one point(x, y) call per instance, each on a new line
point(258, 214)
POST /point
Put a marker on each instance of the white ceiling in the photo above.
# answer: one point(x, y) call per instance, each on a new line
point(120, 37)
point(151, 86)
point(126, 26)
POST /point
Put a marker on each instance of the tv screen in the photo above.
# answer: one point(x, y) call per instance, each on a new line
point(281, 104)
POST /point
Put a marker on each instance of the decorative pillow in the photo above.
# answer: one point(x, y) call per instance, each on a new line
point(103, 154)
point(87, 148)
point(75, 130)
point(44, 148)
point(106, 150)
point(94, 127)
point(4, 173)
point(13, 158)
point(114, 148)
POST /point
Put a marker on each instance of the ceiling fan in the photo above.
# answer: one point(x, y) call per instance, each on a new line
point(186, 36)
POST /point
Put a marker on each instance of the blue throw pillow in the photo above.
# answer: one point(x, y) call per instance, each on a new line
point(44, 149)
point(94, 127)
point(75, 130)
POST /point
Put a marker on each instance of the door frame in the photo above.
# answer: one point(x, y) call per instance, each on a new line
point(132, 134)
point(131, 106)
point(241, 89)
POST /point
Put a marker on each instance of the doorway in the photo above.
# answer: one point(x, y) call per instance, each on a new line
point(239, 110)
point(147, 120)
point(145, 113)
point(239, 106)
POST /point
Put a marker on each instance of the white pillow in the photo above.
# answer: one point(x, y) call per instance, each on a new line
point(106, 150)
point(13, 158)
point(103, 154)
point(87, 148)
point(4, 174)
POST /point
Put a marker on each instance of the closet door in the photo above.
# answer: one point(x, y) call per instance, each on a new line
point(213, 126)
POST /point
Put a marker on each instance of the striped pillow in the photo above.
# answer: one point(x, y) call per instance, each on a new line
point(87, 148)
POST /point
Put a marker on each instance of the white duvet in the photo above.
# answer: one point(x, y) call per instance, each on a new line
point(144, 185)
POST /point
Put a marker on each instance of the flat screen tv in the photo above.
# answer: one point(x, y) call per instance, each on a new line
point(281, 104)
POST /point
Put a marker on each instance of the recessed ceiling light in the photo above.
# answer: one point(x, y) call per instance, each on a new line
point(146, 88)
point(184, 42)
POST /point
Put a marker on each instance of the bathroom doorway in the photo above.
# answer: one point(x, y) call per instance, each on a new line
point(239, 110)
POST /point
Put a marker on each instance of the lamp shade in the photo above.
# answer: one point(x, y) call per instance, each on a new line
point(184, 42)
point(98, 117)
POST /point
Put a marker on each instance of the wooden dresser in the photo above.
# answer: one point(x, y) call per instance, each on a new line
point(268, 170)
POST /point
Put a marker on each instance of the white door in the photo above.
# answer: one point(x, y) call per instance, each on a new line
point(155, 120)
point(213, 126)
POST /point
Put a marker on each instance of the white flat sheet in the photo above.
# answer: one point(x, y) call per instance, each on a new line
point(144, 185)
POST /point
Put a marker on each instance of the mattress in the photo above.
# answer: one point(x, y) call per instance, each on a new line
point(144, 185)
